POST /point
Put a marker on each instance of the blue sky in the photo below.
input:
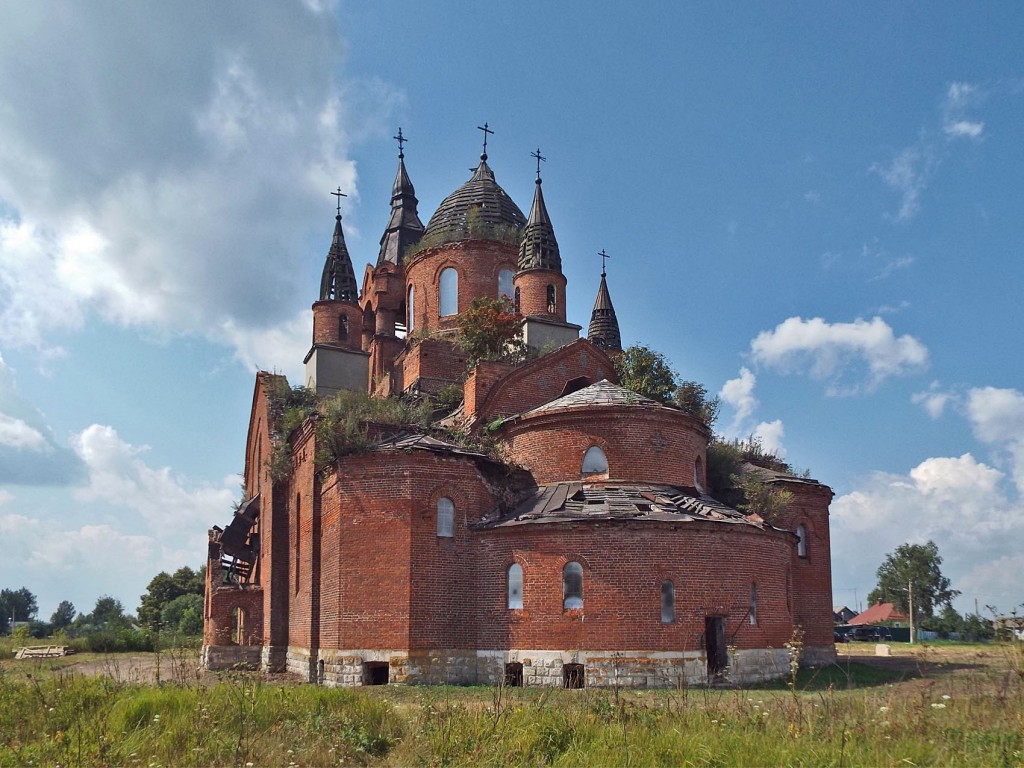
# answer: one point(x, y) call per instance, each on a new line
point(815, 210)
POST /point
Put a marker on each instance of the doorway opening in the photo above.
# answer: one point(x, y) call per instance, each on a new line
point(715, 648)
point(376, 672)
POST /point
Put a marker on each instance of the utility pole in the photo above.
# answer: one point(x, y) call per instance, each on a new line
point(910, 592)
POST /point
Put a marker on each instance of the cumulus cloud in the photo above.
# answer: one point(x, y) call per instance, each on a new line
point(15, 433)
point(770, 434)
point(738, 393)
point(204, 143)
point(959, 98)
point(997, 418)
point(933, 400)
point(833, 352)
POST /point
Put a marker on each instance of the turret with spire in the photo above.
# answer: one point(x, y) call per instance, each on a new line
point(404, 228)
point(338, 282)
point(603, 330)
point(539, 283)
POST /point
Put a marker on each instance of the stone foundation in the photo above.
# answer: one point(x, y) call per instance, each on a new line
point(216, 657)
point(601, 669)
point(818, 655)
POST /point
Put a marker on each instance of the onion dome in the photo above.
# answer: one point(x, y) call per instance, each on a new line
point(338, 282)
point(539, 249)
point(405, 226)
point(479, 209)
point(604, 326)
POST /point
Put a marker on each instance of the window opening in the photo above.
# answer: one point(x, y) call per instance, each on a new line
point(801, 540)
point(376, 672)
point(515, 301)
point(505, 283)
point(342, 328)
point(298, 539)
point(552, 303)
point(514, 674)
point(410, 306)
point(668, 602)
point(753, 603)
point(698, 473)
point(320, 669)
point(594, 462)
point(515, 586)
point(449, 292)
point(572, 586)
point(445, 518)
point(573, 676)
point(237, 626)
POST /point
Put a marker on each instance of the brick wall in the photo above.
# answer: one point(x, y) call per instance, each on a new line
point(533, 292)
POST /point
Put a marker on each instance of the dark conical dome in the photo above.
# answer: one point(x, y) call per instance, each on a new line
point(338, 282)
point(404, 227)
point(604, 326)
point(539, 249)
point(479, 208)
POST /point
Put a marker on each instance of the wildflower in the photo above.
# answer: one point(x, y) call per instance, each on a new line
point(883, 709)
point(52, 709)
point(946, 696)
point(938, 705)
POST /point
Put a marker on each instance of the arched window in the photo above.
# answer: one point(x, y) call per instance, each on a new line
point(594, 462)
point(445, 518)
point(237, 626)
point(449, 292)
point(572, 586)
point(668, 602)
point(410, 306)
point(342, 328)
point(801, 540)
point(698, 474)
point(516, 300)
point(515, 586)
point(505, 283)
point(552, 300)
point(753, 603)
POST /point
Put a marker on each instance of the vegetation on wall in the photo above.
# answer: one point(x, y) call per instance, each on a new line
point(745, 491)
point(473, 227)
point(646, 372)
point(491, 330)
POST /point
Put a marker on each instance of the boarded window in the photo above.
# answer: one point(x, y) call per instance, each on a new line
point(449, 292)
point(668, 602)
point(572, 586)
point(753, 603)
point(515, 586)
point(594, 462)
point(410, 306)
point(801, 540)
point(505, 283)
point(445, 518)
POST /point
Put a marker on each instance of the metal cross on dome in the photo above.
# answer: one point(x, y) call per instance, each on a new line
point(486, 131)
point(339, 194)
point(604, 256)
point(539, 158)
point(401, 141)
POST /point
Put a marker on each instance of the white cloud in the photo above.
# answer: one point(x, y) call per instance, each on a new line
point(908, 173)
point(830, 351)
point(165, 165)
point(739, 394)
point(997, 418)
point(770, 433)
point(934, 401)
point(959, 98)
point(5, 497)
point(15, 433)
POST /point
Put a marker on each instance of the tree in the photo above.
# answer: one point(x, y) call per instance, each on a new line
point(762, 499)
point(918, 564)
point(108, 613)
point(183, 614)
point(64, 615)
point(490, 330)
point(692, 398)
point(646, 372)
point(166, 587)
point(16, 605)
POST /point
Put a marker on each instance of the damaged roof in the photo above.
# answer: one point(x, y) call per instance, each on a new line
point(603, 393)
point(407, 441)
point(568, 502)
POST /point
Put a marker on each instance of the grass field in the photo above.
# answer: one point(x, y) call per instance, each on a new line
point(925, 705)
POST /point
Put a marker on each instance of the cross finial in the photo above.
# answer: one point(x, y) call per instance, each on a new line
point(339, 194)
point(486, 131)
point(536, 155)
point(604, 256)
point(401, 141)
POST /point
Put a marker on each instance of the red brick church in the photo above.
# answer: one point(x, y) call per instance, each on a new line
point(585, 550)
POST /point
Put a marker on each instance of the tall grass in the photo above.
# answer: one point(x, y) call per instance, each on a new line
point(971, 713)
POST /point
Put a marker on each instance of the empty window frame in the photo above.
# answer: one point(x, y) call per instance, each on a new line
point(514, 674)
point(801, 540)
point(505, 283)
point(552, 300)
point(668, 602)
point(376, 672)
point(573, 676)
point(515, 586)
point(410, 306)
point(449, 289)
point(342, 328)
point(594, 462)
point(572, 586)
point(698, 473)
point(445, 518)
point(753, 603)
point(515, 301)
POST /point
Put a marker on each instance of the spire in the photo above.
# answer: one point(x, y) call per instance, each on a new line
point(338, 282)
point(604, 327)
point(539, 248)
point(404, 227)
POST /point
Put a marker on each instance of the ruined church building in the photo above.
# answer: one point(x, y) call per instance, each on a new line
point(585, 552)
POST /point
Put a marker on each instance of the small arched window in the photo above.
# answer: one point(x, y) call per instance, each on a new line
point(668, 602)
point(505, 283)
point(698, 473)
point(515, 586)
point(594, 462)
point(410, 306)
point(572, 586)
point(445, 518)
point(753, 603)
point(552, 300)
point(342, 328)
point(515, 301)
point(449, 292)
point(801, 540)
